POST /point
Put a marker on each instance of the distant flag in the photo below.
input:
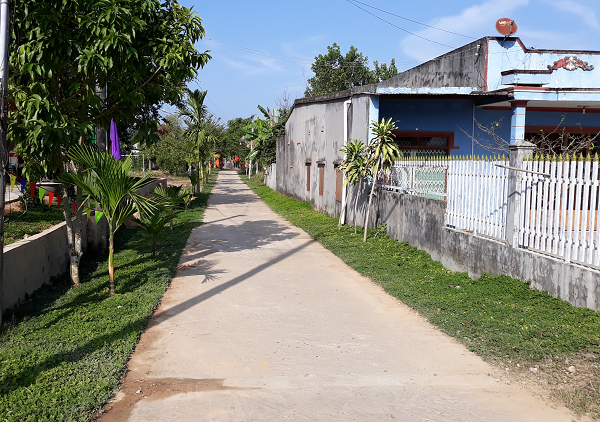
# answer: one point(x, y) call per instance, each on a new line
point(12, 181)
point(31, 189)
point(98, 215)
point(23, 184)
point(59, 200)
point(236, 159)
point(50, 198)
point(41, 193)
point(115, 148)
point(74, 206)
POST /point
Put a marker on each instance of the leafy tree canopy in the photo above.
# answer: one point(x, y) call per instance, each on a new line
point(142, 51)
point(336, 72)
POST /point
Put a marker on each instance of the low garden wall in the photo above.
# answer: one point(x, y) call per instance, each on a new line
point(31, 262)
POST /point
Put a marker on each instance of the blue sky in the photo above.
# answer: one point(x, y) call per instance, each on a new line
point(237, 81)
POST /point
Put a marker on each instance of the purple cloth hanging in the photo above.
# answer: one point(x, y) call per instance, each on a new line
point(115, 148)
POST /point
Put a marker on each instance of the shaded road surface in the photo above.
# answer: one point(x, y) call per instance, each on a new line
point(263, 324)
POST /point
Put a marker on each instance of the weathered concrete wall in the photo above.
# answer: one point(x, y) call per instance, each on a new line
point(146, 189)
point(463, 67)
point(420, 222)
point(29, 263)
point(271, 176)
point(314, 135)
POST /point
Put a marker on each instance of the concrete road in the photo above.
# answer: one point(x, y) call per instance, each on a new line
point(263, 324)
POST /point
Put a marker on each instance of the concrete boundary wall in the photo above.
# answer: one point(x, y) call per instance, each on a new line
point(31, 262)
point(420, 222)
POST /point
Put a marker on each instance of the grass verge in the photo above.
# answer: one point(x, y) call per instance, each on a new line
point(529, 332)
point(64, 351)
point(34, 221)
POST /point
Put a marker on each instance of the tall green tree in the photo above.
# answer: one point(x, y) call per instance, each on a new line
point(337, 72)
point(62, 52)
point(198, 133)
point(383, 152)
point(263, 133)
point(109, 182)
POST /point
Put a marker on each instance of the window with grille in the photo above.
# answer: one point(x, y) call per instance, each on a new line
point(419, 144)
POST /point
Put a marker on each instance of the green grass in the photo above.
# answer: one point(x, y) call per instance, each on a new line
point(497, 317)
point(63, 352)
point(34, 221)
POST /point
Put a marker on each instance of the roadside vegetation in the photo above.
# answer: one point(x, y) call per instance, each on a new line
point(532, 336)
point(63, 351)
point(18, 224)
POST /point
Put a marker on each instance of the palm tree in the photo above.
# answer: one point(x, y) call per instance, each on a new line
point(201, 143)
point(110, 184)
point(353, 166)
point(382, 151)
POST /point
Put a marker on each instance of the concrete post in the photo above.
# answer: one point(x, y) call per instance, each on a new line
point(518, 151)
point(517, 121)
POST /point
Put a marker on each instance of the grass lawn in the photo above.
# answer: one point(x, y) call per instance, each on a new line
point(34, 221)
point(499, 318)
point(63, 352)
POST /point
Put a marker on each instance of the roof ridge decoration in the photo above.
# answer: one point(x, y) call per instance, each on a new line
point(571, 63)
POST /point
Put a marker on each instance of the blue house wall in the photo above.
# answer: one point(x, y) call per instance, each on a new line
point(461, 117)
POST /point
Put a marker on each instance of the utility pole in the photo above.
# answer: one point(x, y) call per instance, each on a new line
point(4, 58)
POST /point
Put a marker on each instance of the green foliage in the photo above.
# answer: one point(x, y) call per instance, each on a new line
point(262, 133)
point(382, 152)
point(109, 183)
point(154, 222)
point(495, 316)
point(33, 221)
point(383, 148)
point(142, 51)
point(336, 72)
point(231, 144)
point(201, 133)
point(67, 348)
point(170, 152)
point(355, 162)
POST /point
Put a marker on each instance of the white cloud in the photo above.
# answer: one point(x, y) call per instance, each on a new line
point(470, 22)
point(587, 14)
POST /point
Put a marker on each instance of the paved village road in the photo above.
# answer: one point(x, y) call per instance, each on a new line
point(264, 324)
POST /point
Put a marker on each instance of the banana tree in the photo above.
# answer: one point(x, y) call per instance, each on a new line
point(109, 182)
point(382, 152)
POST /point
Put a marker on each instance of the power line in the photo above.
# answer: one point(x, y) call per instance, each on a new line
point(396, 26)
point(413, 21)
point(209, 99)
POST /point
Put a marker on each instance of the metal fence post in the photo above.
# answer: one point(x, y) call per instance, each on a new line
point(518, 151)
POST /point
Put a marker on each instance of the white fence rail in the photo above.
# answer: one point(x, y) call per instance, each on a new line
point(560, 213)
point(478, 196)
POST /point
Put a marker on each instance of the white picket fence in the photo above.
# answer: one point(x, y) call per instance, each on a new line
point(477, 195)
point(560, 213)
point(560, 199)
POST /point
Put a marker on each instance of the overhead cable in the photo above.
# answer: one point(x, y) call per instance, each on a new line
point(396, 26)
point(414, 21)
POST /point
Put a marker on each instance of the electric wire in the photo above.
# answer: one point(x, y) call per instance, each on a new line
point(396, 26)
point(413, 21)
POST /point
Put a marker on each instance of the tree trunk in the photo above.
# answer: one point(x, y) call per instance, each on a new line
point(199, 173)
point(345, 206)
point(356, 202)
point(111, 262)
point(71, 248)
point(371, 200)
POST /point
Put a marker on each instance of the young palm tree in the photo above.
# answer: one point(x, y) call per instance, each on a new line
point(352, 166)
point(201, 143)
point(110, 184)
point(382, 152)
